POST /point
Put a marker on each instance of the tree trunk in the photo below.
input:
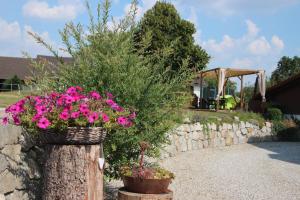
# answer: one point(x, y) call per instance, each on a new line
point(71, 172)
point(124, 195)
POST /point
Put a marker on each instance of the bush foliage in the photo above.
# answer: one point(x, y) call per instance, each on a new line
point(106, 60)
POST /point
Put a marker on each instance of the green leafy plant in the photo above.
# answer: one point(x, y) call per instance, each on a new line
point(145, 172)
point(105, 59)
point(274, 114)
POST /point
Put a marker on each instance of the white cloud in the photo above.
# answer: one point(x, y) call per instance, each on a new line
point(14, 39)
point(259, 46)
point(250, 50)
point(252, 28)
point(277, 42)
point(9, 31)
point(65, 9)
point(231, 7)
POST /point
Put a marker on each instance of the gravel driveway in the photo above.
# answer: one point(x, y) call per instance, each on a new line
point(250, 171)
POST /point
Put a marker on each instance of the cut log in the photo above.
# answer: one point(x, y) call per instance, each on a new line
point(71, 172)
point(124, 195)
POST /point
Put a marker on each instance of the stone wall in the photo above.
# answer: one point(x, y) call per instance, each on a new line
point(19, 169)
point(195, 136)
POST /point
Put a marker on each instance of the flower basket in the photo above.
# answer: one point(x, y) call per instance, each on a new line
point(74, 136)
point(146, 186)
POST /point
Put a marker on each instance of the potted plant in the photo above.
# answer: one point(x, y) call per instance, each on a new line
point(71, 126)
point(140, 178)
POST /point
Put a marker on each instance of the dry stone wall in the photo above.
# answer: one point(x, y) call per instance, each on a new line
point(195, 136)
point(20, 171)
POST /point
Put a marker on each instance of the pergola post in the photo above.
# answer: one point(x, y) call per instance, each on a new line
point(201, 90)
point(218, 100)
point(242, 92)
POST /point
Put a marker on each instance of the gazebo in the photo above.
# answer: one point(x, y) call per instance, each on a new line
point(223, 74)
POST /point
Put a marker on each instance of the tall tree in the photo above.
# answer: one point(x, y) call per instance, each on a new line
point(167, 30)
point(286, 68)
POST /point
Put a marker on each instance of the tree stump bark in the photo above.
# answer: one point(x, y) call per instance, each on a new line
point(124, 195)
point(71, 172)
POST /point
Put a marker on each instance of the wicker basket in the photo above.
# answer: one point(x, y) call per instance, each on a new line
point(74, 135)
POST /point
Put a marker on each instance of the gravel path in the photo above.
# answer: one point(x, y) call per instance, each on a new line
point(242, 172)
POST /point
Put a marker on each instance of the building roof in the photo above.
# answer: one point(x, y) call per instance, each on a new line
point(230, 72)
point(11, 66)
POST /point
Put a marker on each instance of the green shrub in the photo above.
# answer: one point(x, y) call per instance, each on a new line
point(274, 114)
point(105, 60)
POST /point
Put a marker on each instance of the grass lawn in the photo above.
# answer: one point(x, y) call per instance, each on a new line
point(223, 116)
point(7, 98)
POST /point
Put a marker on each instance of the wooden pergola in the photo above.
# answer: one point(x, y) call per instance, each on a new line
point(223, 74)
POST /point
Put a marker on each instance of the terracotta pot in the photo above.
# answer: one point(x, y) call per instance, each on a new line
point(146, 186)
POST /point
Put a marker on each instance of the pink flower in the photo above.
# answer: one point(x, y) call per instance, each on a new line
point(15, 109)
point(71, 90)
point(132, 115)
point(85, 113)
point(75, 115)
point(116, 107)
point(110, 95)
point(93, 117)
point(36, 117)
point(64, 115)
point(43, 123)
point(5, 121)
point(95, 95)
point(40, 109)
point(69, 99)
point(122, 121)
point(79, 88)
point(83, 107)
point(105, 117)
point(16, 119)
point(110, 102)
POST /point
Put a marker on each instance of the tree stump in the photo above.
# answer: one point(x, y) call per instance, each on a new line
point(124, 195)
point(71, 172)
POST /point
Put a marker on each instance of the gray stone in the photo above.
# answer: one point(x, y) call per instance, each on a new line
point(244, 131)
point(183, 144)
point(242, 124)
point(13, 152)
point(9, 135)
point(200, 144)
point(2, 197)
point(213, 127)
point(201, 135)
point(248, 125)
point(205, 143)
point(228, 141)
point(264, 129)
point(235, 127)
point(197, 127)
point(229, 126)
point(183, 128)
point(26, 141)
point(195, 135)
point(236, 118)
point(189, 144)
point(195, 145)
point(268, 124)
point(186, 120)
point(9, 182)
point(18, 195)
point(235, 139)
point(3, 163)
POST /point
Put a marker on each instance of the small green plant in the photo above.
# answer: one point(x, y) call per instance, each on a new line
point(145, 172)
point(274, 114)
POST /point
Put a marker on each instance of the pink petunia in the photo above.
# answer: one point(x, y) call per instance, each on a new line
point(110, 102)
point(36, 117)
point(71, 90)
point(83, 107)
point(105, 117)
point(40, 109)
point(69, 99)
point(43, 123)
point(75, 115)
point(122, 121)
point(93, 117)
point(116, 107)
point(132, 115)
point(64, 115)
point(95, 95)
point(110, 95)
point(5, 120)
point(16, 120)
point(79, 88)
point(85, 113)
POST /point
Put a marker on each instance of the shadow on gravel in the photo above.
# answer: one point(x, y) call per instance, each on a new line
point(111, 192)
point(284, 151)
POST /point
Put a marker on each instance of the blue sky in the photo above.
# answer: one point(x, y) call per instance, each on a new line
point(238, 33)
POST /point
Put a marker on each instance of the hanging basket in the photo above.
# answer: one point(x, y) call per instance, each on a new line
point(74, 136)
